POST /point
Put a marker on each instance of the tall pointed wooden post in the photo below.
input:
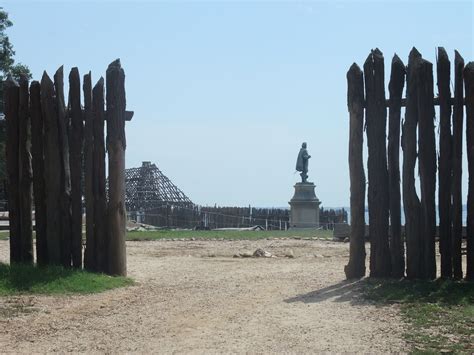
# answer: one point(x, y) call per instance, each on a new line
point(376, 119)
point(76, 136)
point(89, 254)
point(411, 202)
point(397, 250)
point(116, 143)
point(25, 174)
point(427, 165)
point(39, 184)
point(445, 167)
point(65, 182)
point(355, 104)
point(52, 170)
point(11, 100)
point(469, 86)
point(458, 112)
point(98, 185)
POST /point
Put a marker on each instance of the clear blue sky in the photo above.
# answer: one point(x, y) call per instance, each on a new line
point(225, 92)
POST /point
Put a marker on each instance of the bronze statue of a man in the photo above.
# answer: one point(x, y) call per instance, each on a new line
point(302, 162)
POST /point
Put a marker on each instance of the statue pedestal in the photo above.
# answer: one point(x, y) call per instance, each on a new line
point(304, 206)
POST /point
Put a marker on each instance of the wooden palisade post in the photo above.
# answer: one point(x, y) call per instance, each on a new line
point(458, 110)
point(39, 193)
point(52, 170)
point(65, 181)
point(116, 144)
point(411, 202)
point(76, 134)
point(11, 100)
point(25, 174)
point(89, 255)
point(100, 199)
point(397, 250)
point(355, 103)
point(376, 119)
point(427, 166)
point(445, 166)
point(469, 88)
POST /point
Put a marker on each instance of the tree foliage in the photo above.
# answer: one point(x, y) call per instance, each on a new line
point(7, 67)
point(7, 62)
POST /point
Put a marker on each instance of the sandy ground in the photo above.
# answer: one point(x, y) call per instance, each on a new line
point(194, 297)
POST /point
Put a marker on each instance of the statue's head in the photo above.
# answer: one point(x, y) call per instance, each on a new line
point(303, 145)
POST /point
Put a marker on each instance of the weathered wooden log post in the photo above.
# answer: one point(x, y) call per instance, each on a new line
point(12, 101)
point(411, 202)
point(458, 111)
point(116, 143)
point(89, 254)
point(76, 136)
point(100, 199)
point(397, 249)
point(39, 184)
point(376, 119)
point(445, 166)
point(52, 170)
point(65, 181)
point(355, 102)
point(427, 165)
point(469, 88)
point(25, 173)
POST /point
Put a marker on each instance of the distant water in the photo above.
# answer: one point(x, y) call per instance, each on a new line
point(464, 215)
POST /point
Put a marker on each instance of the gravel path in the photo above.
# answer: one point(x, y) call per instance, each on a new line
point(194, 297)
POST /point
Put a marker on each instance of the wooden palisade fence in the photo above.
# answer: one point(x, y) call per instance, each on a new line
point(200, 217)
point(418, 142)
point(50, 147)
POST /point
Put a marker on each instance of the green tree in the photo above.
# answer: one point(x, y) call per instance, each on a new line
point(7, 67)
point(7, 62)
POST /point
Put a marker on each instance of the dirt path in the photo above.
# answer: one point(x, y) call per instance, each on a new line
point(193, 297)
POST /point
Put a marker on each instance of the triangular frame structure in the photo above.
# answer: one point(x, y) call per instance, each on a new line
point(147, 188)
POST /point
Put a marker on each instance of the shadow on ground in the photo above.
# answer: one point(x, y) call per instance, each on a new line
point(382, 292)
point(344, 291)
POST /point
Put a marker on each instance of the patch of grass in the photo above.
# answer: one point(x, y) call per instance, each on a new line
point(28, 279)
point(439, 314)
point(228, 234)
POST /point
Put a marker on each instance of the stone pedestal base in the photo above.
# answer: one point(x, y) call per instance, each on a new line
point(304, 207)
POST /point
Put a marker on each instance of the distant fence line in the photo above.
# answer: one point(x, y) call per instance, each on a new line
point(174, 216)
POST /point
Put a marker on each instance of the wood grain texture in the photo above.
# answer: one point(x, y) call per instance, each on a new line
point(76, 137)
point(376, 122)
point(355, 100)
point(396, 85)
point(116, 216)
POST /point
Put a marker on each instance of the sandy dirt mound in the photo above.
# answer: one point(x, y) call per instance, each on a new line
point(195, 297)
